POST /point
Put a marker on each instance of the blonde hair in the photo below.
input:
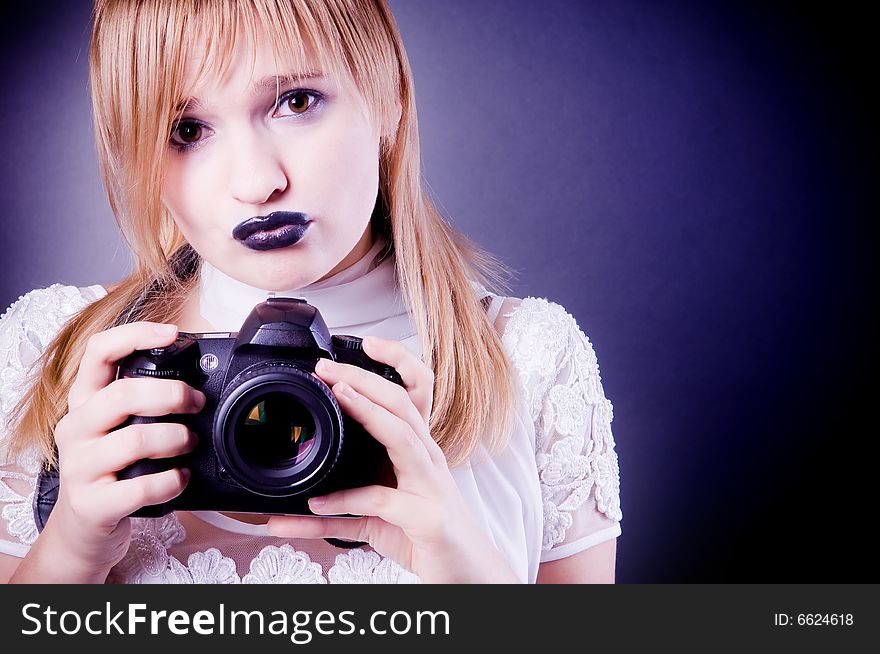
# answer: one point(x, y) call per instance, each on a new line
point(138, 54)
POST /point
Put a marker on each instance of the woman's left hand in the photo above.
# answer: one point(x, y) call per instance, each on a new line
point(424, 524)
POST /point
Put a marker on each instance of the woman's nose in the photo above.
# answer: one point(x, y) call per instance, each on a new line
point(256, 171)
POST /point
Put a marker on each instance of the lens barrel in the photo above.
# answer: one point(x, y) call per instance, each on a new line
point(278, 430)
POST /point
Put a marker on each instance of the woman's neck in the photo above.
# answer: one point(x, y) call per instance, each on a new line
point(191, 319)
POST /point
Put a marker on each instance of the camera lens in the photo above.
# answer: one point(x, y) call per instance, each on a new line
point(278, 429)
point(275, 431)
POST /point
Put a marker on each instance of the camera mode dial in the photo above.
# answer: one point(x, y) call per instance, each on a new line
point(348, 342)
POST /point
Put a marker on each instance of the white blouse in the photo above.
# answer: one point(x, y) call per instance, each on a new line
point(553, 492)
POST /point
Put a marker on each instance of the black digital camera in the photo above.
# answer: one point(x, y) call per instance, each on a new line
point(271, 434)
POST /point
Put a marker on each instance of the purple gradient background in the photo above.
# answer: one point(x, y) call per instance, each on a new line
point(694, 182)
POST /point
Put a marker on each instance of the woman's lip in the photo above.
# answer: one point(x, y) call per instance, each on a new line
point(274, 220)
point(280, 237)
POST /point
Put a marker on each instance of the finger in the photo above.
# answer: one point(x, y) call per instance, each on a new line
point(136, 396)
point(390, 396)
point(129, 495)
point(309, 526)
point(417, 377)
point(405, 510)
point(104, 349)
point(123, 447)
point(380, 390)
point(406, 449)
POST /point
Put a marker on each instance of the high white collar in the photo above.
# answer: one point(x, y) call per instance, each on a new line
point(361, 300)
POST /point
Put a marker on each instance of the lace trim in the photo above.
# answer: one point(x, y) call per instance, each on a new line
point(362, 567)
point(148, 561)
point(581, 544)
point(575, 454)
point(17, 511)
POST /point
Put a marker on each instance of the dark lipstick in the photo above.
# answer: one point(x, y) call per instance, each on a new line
point(279, 229)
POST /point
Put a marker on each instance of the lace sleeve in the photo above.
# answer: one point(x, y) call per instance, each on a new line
point(575, 456)
point(26, 327)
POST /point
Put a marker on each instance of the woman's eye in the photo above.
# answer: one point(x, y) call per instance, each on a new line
point(298, 101)
point(189, 133)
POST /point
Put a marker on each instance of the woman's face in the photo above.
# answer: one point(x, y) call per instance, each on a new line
point(233, 157)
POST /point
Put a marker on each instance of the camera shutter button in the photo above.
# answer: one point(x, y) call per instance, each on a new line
point(162, 351)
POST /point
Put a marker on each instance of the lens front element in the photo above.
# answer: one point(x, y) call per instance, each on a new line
point(276, 431)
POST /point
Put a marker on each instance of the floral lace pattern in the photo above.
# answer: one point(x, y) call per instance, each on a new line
point(17, 511)
point(559, 374)
point(28, 326)
point(361, 567)
point(575, 447)
point(148, 561)
point(31, 322)
point(283, 565)
point(209, 567)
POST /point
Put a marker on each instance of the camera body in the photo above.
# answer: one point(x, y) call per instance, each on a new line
point(271, 434)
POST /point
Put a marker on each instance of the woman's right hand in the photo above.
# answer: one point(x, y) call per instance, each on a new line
point(91, 512)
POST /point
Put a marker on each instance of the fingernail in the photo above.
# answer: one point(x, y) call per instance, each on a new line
point(348, 391)
point(198, 399)
point(185, 473)
point(165, 330)
point(317, 501)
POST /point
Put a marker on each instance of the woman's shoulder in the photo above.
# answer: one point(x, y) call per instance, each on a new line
point(545, 343)
point(53, 299)
point(529, 322)
point(38, 314)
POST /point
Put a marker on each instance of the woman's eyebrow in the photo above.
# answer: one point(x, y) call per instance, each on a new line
point(258, 88)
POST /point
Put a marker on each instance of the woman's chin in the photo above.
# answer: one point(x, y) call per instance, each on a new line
point(275, 273)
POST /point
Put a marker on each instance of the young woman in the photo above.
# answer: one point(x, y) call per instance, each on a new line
point(249, 147)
